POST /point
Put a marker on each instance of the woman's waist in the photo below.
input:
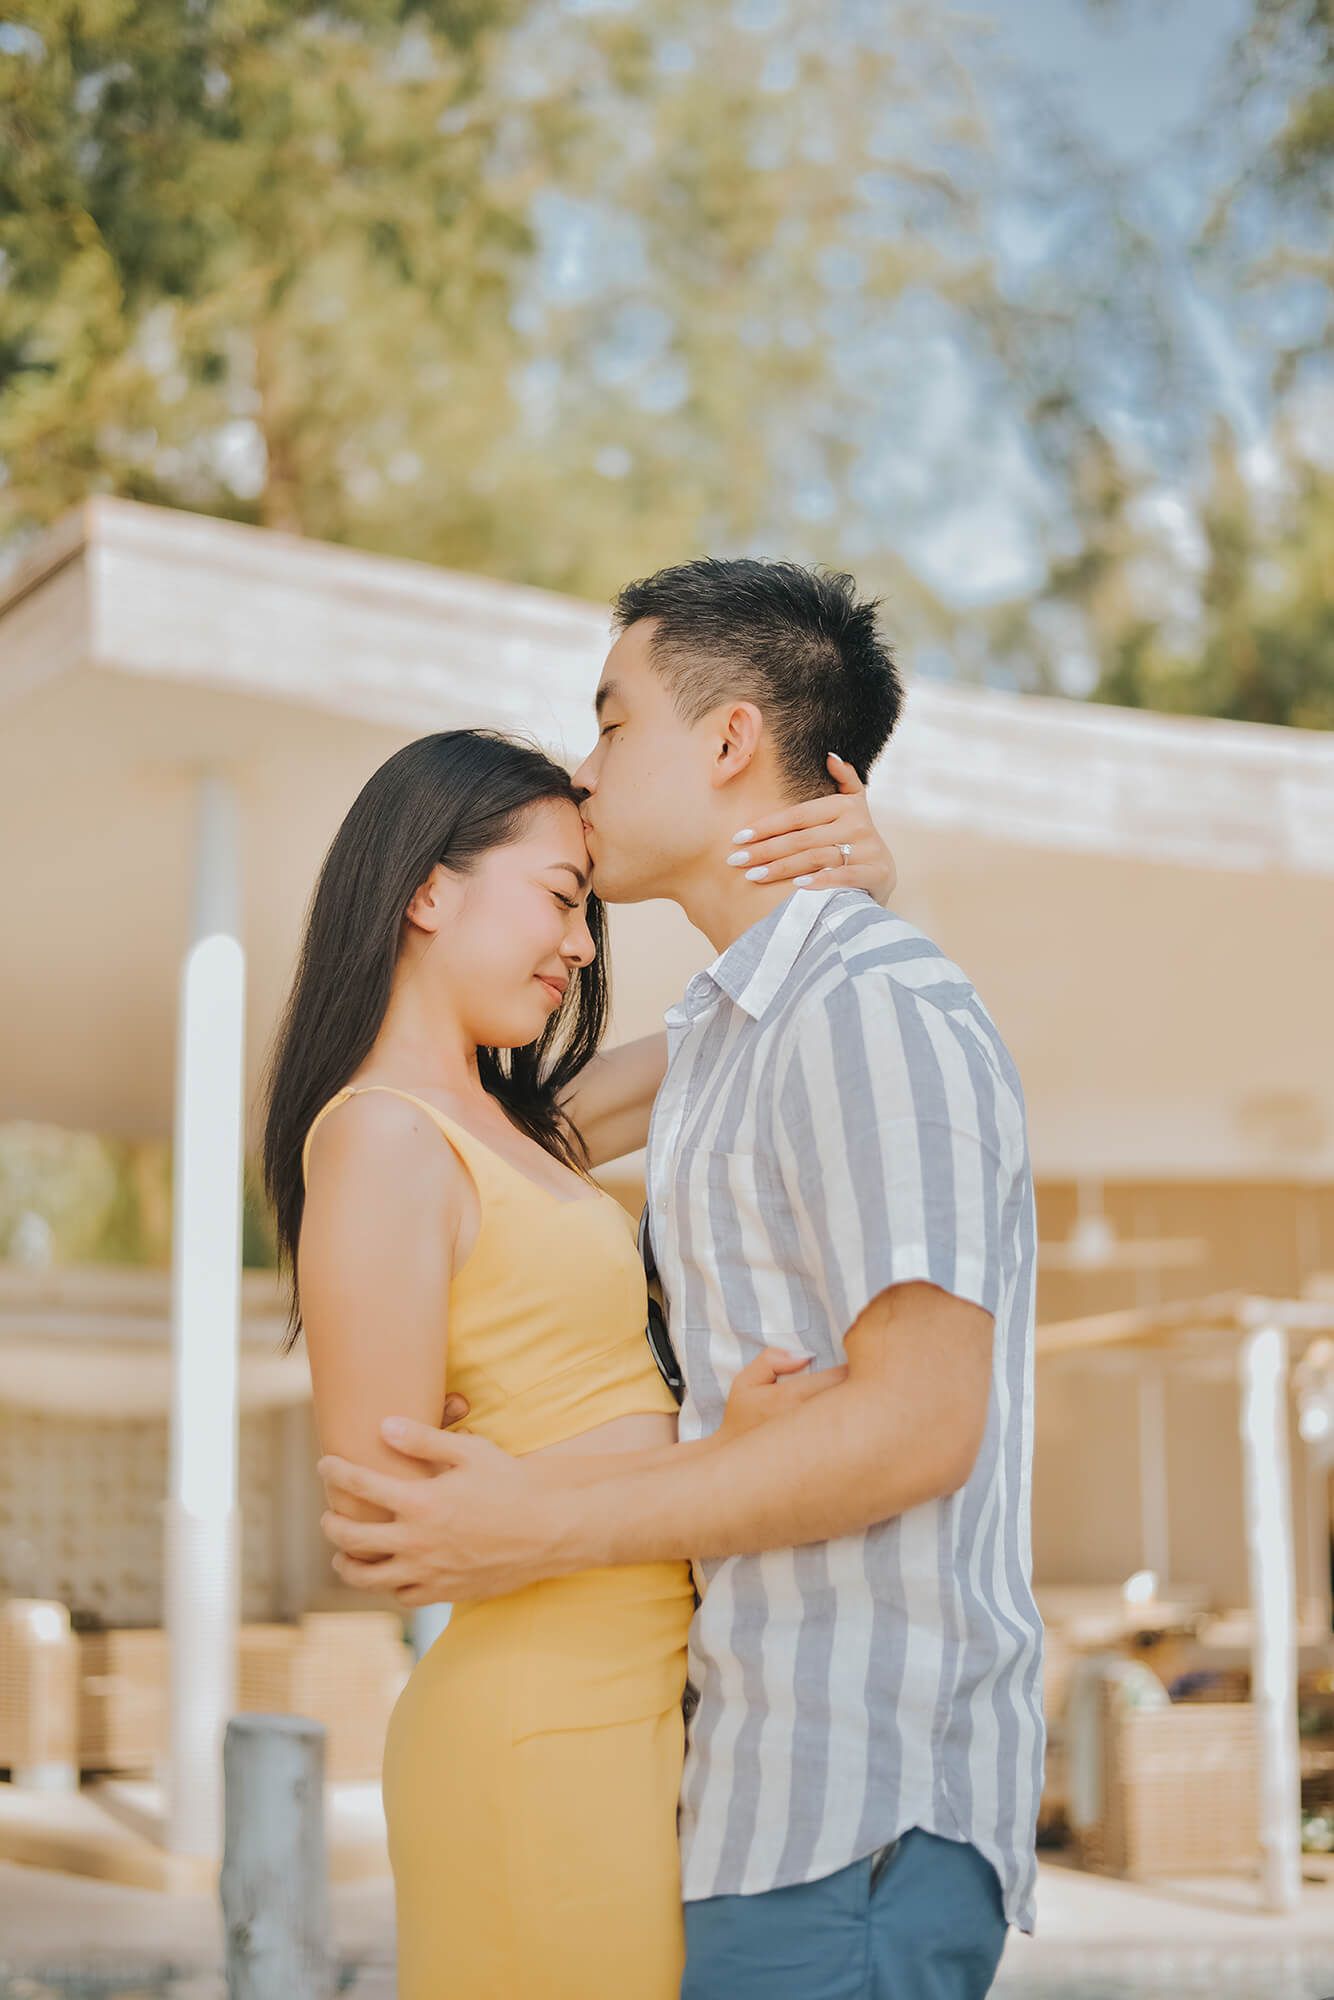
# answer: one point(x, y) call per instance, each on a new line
point(576, 1651)
point(565, 1406)
point(649, 1594)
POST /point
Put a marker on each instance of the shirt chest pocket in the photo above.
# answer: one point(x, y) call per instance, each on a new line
point(747, 1270)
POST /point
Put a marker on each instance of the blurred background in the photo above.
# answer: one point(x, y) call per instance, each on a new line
point(381, 315)
point(1022, 309)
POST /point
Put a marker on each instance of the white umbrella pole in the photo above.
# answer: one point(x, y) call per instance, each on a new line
point(1264, 1430)
point(1153, 1497)
point(1317, 1610)
point(201, 1554)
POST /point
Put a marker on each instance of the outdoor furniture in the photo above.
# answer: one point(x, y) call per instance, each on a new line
point(1247, 1340)
point(1180, 1789)
point(122, 1699)
point(342, 1668)
point(39, 1667)
point(1079, 1620)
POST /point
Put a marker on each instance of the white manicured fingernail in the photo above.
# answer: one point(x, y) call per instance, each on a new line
point(756, 874)
point(746, 833)
point(802, 881)
point(738, 860)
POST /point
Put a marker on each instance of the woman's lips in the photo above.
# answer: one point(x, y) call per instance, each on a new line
point(557, 992)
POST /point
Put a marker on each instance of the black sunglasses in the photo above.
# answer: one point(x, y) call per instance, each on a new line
point(659, 1340)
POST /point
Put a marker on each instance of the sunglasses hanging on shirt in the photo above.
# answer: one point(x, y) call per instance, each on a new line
point(659, 1340)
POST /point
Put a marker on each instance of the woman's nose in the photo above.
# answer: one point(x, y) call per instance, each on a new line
point(579, 947)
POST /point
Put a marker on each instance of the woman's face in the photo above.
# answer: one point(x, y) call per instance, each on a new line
point(515, 931)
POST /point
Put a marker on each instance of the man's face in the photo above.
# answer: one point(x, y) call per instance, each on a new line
point(651, 806)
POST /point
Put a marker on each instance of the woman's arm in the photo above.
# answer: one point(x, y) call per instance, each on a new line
point(385, 1201)
point(610, 1100)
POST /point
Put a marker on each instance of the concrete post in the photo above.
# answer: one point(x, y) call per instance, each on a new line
point(275, 1882)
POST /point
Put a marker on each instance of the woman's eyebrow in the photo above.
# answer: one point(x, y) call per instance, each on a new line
point(581, 876)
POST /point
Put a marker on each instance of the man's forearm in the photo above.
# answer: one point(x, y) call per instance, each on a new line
point(572, 1471)
point(833, 1467)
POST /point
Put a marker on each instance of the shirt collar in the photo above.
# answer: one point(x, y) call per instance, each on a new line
point(753, 969)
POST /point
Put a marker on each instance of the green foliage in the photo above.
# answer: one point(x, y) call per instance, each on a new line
point(243, 223)
point(1267, 650)
point(1241, 625)
point(85, 1198)
point(303, 268)
point(65, 1197)
point(311, 269)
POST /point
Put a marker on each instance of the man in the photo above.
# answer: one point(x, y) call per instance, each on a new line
point(837, 1165)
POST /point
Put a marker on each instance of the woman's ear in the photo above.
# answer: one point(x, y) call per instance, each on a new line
point(432, 901)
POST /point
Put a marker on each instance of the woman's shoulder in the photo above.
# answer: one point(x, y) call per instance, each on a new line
point(370, 1131)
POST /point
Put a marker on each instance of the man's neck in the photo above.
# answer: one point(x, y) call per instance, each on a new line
point(720, 901)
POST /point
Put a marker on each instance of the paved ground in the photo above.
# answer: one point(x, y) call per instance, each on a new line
point(1098, 1940)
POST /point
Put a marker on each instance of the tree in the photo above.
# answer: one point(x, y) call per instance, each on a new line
point(1198, 580)
point(552, 294)
point(247, 248)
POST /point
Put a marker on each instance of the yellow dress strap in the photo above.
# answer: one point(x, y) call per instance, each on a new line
point(483, 1162)
point(339, 1097)
point(479, 1159)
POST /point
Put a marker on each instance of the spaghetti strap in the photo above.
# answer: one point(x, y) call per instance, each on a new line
point(465, 1143)
point(339, 1097)
point(445, 1126)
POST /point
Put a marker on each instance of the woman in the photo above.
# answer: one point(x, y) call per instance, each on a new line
point(452, 987)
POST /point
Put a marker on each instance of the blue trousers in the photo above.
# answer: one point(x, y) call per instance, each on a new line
point(920, 1920)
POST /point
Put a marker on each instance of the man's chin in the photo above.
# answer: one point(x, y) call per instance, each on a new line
point(607, 885)
point(610, 882)
point(600, 880)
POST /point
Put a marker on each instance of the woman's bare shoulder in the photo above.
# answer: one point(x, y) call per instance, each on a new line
point(374, 1134)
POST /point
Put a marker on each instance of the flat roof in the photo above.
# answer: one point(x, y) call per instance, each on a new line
point(185, 598)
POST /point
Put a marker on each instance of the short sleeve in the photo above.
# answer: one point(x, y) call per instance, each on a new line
point(895, 1133)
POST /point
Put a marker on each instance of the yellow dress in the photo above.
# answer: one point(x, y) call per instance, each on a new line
point(533, 1761)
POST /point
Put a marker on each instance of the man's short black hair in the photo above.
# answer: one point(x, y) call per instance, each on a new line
point(799, 643)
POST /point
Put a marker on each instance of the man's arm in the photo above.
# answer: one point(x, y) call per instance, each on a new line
point(903, 1427)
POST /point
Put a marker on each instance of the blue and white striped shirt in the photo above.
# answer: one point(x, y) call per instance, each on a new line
point(839, 1115)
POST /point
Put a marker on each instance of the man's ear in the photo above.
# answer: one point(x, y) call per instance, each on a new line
point(740, 728)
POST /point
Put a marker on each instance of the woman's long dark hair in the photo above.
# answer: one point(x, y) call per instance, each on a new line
point(445, 799)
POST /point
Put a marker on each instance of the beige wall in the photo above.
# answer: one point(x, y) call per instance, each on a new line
point(1267, 1238)
point(1260, 1236)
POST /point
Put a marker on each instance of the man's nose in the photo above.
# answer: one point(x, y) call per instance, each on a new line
point(583, 780)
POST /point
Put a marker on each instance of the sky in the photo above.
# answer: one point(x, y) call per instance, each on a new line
point(945, 473)
point(1139, 72)
point(1137, 79)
